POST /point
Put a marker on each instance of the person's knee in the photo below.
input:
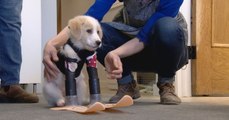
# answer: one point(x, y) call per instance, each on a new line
point(166, 24)
point(168, 31)
point(105, 27)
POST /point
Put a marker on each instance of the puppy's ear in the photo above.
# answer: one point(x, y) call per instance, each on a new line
point(100, 32)
point(75, 28)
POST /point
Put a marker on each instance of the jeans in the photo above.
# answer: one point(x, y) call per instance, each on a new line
point(10, 46)
point(164, 54)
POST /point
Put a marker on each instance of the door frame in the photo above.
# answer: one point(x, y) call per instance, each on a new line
point(200, 18)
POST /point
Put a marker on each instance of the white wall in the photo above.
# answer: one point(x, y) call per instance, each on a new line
point(49, 27)
point(31, 42)
point(49, 20)
point(183, 77)
point(39, 24)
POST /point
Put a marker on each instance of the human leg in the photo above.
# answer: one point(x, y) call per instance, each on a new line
point(10, 52)
point(112, 39)
point(10, 47)
point(164, 54)
point(170, 41)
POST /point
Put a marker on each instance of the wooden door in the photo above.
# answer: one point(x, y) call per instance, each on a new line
point(210, 34)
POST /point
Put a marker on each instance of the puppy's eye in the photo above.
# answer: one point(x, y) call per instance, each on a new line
point(97, 32)
point(89, 31)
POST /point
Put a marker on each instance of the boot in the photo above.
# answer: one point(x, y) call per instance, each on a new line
point(15, 94)
point(130, 89)
point(167, 94)
point(3, 97)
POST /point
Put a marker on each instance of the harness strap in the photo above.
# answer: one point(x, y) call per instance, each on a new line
point(69, 42)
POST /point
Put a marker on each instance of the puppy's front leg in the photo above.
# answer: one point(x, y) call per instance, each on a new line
point(70, 82)
point(71, 65)
point(93, 79)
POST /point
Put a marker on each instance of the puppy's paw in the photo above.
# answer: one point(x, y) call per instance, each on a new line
point(60, 103)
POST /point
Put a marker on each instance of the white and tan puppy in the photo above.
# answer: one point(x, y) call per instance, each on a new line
point(85, 34)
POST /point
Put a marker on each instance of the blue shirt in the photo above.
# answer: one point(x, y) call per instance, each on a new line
point(166, 8)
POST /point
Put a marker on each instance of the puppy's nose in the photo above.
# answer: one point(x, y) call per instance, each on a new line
point(98, 42)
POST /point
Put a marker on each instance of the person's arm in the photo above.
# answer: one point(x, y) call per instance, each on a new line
point(100, 8)
point(97, 10)
point(113, 64)
point(129, 48)
point(61, 38)
point(166, 8)
point(50, 53)
point(112, 60)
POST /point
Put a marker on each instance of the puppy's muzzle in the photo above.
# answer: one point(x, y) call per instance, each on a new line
point(98, 42)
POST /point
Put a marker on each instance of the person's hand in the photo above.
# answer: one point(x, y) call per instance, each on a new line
point(49, 57)
point(113, 65)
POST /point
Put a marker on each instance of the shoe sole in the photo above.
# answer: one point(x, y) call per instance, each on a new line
point(7, 100)
point(21, 101)
point(170, 103)
point(4, 100)
point(136, 96)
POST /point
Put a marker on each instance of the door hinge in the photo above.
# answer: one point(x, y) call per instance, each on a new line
point(192, 52)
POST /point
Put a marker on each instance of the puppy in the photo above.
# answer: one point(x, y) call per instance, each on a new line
point(85, 37)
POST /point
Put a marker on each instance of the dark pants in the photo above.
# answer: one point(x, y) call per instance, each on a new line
point(165, 53)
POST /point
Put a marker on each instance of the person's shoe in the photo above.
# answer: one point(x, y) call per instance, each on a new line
point(167, 94)
point(15, 94)
point(3, 97)
point(130, 89)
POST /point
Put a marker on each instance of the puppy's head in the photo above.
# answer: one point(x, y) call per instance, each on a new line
point(85, 32)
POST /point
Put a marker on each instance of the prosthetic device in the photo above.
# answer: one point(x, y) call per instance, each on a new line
point(70, 82)
point(94, 85)
point(73, 68)
point(97, 106)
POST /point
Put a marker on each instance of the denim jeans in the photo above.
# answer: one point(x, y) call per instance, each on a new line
point(10, 46)
point(164, 54)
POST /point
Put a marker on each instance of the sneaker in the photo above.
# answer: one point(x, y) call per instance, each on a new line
point(15, 94)
point(167, 94)
point(130, 89)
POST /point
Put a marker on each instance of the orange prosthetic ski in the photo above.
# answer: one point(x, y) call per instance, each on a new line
point(97, 106)
point(123, 102)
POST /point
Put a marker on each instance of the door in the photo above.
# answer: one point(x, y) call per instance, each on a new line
point(210, 34)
